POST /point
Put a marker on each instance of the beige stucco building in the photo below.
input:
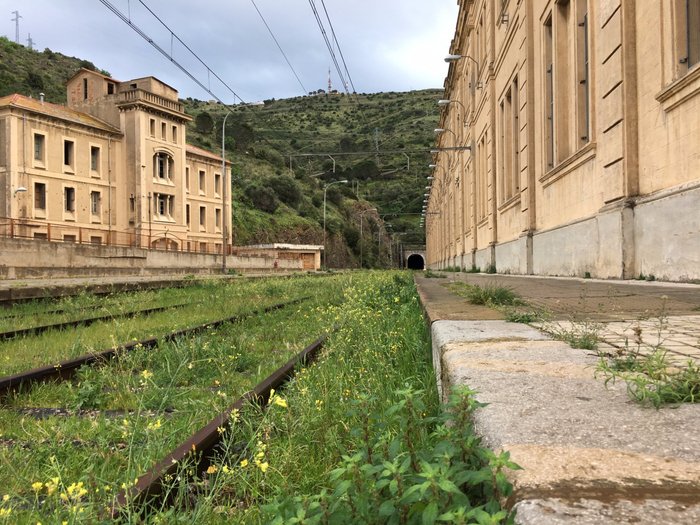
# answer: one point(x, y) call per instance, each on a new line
point(571, 140)
point(112, 167)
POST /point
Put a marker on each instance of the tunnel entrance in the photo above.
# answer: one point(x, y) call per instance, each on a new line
point(415, 262)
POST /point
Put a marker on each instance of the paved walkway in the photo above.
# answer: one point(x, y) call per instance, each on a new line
point(590, 455)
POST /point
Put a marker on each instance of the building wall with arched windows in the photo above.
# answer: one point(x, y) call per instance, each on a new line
point(577, 126)
point(111, 167)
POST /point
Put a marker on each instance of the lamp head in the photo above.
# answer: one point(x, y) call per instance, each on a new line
point(452, 58)
point(21, 189)
point(444, 102)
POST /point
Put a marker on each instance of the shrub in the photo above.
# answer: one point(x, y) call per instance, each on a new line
point(262, 197)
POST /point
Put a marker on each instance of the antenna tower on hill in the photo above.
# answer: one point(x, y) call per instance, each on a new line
point(330, 86)
point(16, 21)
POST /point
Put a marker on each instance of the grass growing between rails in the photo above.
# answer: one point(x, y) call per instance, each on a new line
point(69, 467)
point(206, 302)
point(357, 437)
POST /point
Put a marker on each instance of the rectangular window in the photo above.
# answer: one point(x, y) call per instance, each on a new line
point(187, 178)
point(549, 93)
point(163, 130)
point(96, 240)
point(202, 182)
point(39, 147)
point(693, 31)
point(69, 238)
point(69, 199)
point(202, 217)
point(153, 127)
point(583, 100)
point(175, 134)
point(187, 215)
point(162, 204)
point(217, 218)
point(509, 171)
point(95, 200)
point(85, 89)
point(217, 183)
point(68, 153)
point(39, 196)
point(110, 88)
point(95, 158)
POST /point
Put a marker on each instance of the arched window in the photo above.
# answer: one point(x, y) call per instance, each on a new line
point(163, 167)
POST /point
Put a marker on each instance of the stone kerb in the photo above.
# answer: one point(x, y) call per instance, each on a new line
point(589, 454)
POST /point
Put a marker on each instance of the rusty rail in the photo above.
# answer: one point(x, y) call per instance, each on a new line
point(65, 369)
point(200, 445)
point(34, 330)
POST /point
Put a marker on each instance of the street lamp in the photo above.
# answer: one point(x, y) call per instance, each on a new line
point(21, 189)
point(224, 244)
point(325, 189)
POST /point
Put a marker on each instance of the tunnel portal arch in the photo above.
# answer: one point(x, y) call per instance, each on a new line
point(415, 261)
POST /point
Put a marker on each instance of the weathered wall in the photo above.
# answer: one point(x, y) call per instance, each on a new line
point(591, 245)
point(666, 230)
point(35, 258)
point(511, 257)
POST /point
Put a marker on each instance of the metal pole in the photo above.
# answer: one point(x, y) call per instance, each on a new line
point(224, 229)
point(325, 188)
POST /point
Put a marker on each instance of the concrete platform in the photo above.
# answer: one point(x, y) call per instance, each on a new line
point(589, 454)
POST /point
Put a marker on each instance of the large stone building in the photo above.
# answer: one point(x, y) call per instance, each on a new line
point(570, 140)
point(112, 168)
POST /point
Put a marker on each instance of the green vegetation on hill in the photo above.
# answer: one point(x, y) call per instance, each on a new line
point(29, 72)
point(285, 152)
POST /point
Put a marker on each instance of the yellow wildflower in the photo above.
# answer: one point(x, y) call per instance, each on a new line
point(4, 513)
point(213, 469)
point(6, 497)
point(244, 463)
point(263, 467)
point(147, 374)
point(37, 486)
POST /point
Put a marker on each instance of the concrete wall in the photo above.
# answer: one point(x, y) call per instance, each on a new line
point(36, 259)
point(667, 240)
point(591, 245)
point(511, 257)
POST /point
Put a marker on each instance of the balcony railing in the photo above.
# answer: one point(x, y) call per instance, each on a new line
point(67, 233)
point(137, 95)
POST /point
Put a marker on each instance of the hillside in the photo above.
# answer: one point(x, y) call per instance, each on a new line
point(285, 152)
point(32, 72)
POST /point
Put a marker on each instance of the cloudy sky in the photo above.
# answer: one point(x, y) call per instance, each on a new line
point(388, 45)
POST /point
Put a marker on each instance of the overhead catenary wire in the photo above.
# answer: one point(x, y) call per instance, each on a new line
point(279, 46)
point(337, 44)
point(210, 71)
point(329, 45)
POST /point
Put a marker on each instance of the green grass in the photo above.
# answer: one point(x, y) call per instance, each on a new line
point(651, 377)
point(168, 392)
point(347, 427)
point(488, 295)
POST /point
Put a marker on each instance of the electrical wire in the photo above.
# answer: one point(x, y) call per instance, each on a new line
point(173, 35)
point(335, 39)
point(279, 47)
point(329, 45)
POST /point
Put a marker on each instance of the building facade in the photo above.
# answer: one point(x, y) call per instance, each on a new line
point(571, 139)
point(112, 167)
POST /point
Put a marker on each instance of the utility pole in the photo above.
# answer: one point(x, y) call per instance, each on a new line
point(30, 42)
point(16, 21)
